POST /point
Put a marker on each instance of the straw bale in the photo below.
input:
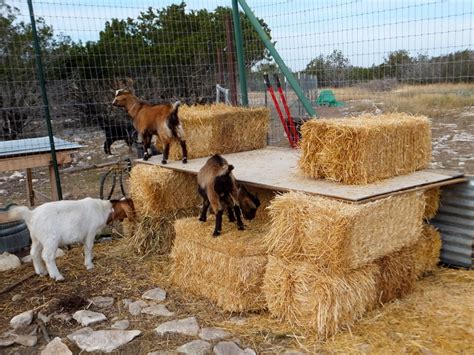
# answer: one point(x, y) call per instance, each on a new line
point(427, 251)
point(318, 302)
point(432, 198)
point(337, 235)
point(155, 189)
point(228, 269)
point(365, 149)
point(221, 129)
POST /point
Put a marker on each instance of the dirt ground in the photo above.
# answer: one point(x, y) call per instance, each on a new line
point(121, 275)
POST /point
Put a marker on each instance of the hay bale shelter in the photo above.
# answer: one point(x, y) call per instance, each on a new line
point(337, 235)
point(228, 269)
point(365, 149)
point(221, 129)
point(160, 197)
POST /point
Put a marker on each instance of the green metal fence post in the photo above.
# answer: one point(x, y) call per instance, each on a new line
point(240, 53)
point(281, 64)
point(44, 95)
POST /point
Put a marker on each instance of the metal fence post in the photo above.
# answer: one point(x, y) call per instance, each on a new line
point(44, 95)
point(281, 64)
point(240, 53)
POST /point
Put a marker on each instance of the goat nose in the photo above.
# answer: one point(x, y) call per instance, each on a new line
point(114, 102)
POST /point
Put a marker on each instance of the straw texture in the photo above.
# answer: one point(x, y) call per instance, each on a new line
point(365, 149)
point(432, 198)
point(336, 235)
point(221, 129)
point(228, 269)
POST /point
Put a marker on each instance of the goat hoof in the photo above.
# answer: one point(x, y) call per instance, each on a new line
point(146, 157)
point(163, 162)
point(90, 267)
point(216, 234)
point(185, 160)
point(231, 220)
point(241, 228)
point(202, 219)
point(59, 278)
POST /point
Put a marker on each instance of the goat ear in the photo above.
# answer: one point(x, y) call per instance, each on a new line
point(129, 83)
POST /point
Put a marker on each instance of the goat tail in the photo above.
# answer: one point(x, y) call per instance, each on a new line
point(175, 106)
point(19, 212)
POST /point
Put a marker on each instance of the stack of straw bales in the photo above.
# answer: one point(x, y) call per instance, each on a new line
point(330, 262)
point(228, 269)
point(222, 129)
point(160, 196)
point(365, 149)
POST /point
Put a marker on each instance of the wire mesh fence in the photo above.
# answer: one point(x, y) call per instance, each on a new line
point(373, 55)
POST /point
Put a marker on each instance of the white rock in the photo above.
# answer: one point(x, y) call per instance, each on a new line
point(104, 340)
point(26, 340)
point(16, 175)
point(64, 317)
point(9, 261)
point(101, 301)
point(7, 339)
point(43, 317)
point(164, 352)
point(135, 308)
point(21, 320)
point(84, 330)
point(121, 324)
point(213, 334)
point(56, 347)
point(86, 317)
point(195, 347)
point(156, 294)
point(157, 310)
point(186, 326)
point(249, 351)
point(230, 348)
point(126, 302)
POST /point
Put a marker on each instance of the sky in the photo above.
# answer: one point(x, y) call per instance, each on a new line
point(365, 31)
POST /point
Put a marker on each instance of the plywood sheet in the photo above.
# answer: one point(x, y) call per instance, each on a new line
point(276, 168)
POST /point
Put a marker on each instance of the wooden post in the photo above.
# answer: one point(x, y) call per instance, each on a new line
point(52, 181)
point(29, 188)
point(231, 60)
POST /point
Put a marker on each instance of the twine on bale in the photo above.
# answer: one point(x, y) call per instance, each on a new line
point(366, 148)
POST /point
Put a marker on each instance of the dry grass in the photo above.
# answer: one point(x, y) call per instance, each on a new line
point(430, 100)
point(222, 129)
point(427, 251)
point(365, 149)
point(227, 270)
point(335, 235)
point(432, 198)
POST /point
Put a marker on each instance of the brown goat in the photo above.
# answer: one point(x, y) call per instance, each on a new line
point(161, 120)
point(218, 188)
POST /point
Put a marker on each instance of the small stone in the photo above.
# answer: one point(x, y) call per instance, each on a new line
point(249, 351)
point(156, 294)
point(21, 320)
point(101, 301)
point(56, 347)
point(104, 340)
point(26, 340)
point(135, 308)
point(187, 326)
point(17, 297)
point(84, 330)
point(197, 347)
point(230, 348)
point(7, 339)
point(238, 320)
point(164, 352)
point(86, 317)
point(43, 317)
point(121, 324)
point(64, 317)
point(126, 302)
point(9, 261)
point(157, 310)
point(213, 334)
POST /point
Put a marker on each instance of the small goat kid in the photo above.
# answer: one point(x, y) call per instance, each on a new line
point(218, 188)
point(161, 120)
point(60, 223)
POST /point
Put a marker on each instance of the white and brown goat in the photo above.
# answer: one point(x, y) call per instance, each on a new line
point(161, 120)
point(218, 188)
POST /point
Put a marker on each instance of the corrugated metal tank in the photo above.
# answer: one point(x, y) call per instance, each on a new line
point(455, 221)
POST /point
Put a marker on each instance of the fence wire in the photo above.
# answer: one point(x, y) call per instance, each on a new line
point(373, 55)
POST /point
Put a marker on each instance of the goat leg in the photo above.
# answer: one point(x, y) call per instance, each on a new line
point(166, 152)
point(205, 206)
point(218, 228)
point(240, 224)
point(230, 213)
point(185, 151)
